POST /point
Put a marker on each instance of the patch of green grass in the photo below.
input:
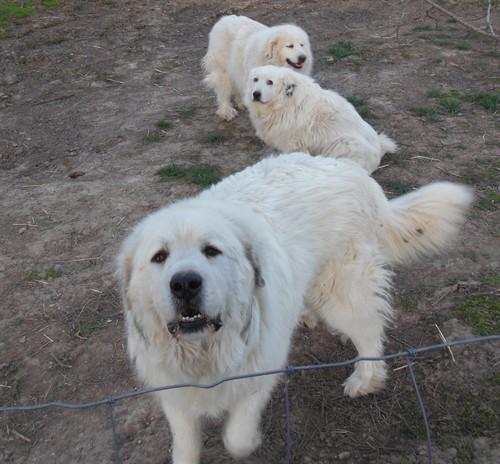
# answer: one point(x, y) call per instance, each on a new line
point(410, 300)
point(489, 201)
point(463, 45)
point(187, 111)
point(422, 27)
point(395, 187)
point(425, 111)
point(450, 104)
point(199, 174)
point(359, 103)
point(18, 321)
point(489, 101)
point(86, 328)
point(491, 279)
point(342, 49)
point(10, 382)
point(152, 137)
point(52, 273)
point(357, 65)
point(482, 313)
point(11, 10)
point(164, 125)
point(215, 138)
point(32, 276)
point(436, 93)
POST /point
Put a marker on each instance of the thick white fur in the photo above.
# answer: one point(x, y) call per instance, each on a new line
point(294, 231)
point(238, 44)
point(293, 113)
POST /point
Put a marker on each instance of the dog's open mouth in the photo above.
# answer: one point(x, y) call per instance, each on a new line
point(294, 65)
point(191, 324)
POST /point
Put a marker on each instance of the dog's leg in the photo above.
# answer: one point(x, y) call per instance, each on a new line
point(186, 435)
point(351, 296)
point(242, 431)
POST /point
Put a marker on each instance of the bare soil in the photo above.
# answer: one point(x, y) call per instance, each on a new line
point(80, 88)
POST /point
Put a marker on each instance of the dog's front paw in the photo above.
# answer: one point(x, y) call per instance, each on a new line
point(241, 442)
point(368, 377)
point(227, 113)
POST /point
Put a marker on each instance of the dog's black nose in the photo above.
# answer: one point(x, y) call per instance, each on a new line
point(185, 285)
point(256, 95)
point(302, 58)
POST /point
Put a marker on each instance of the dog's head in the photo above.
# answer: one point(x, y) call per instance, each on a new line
point(190, 270)
point(271, 84)
point(289, 46)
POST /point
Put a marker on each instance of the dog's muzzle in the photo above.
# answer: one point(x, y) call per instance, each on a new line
point(300, 61)
point(185, 288)
point(257, 95)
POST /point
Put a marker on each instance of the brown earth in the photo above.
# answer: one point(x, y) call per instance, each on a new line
point(80, 88)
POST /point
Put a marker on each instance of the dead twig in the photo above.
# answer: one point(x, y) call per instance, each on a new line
point(491, 34)
point(445, 341)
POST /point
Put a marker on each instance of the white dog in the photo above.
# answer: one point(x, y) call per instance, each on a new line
point(213, 286)
point(238, 44)
point(291, 112)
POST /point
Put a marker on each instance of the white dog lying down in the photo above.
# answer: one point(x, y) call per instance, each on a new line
point(291, 112)
point(213, 286)
point(238, 44)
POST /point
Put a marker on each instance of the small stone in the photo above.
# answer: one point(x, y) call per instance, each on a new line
point(344, 455)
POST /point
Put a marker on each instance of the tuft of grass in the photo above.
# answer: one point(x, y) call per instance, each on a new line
point(436, 93)
point(52, 273)
point(422, 27)
point(10, 10)
point(450, 104)
point(342, 49)
point(200, 174)
point(425, 111)
point(164, 125)
point(463, 45)
point(410, 300)
point(18, 321)
point(11, 384)
point(32, 276)
point(187, 111)
point(395, 187)
point(359, 103)
point(215, 138)
point(491, 279)
point(482, 313)
point(152, 137)
point(86, 328)
point(489, 101)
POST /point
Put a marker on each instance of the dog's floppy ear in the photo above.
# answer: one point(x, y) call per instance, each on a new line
point(271, 44)
point(259, 280)
point(124, 264)
point(289, 87)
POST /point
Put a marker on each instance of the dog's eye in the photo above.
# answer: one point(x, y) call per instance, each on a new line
point(256, 79)
point(269, 82)
point(210, 251)
point(289, 46)
point(160, 257)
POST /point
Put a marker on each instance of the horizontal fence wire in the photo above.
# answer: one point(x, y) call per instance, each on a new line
point(408, 355)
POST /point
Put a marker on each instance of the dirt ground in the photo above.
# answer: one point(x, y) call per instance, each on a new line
point(81, 89)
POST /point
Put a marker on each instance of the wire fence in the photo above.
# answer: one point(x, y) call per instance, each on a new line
point(408, 355)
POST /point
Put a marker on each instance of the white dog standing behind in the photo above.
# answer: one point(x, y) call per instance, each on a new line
point(291, 112)
point(213, 286)
point(237, 44)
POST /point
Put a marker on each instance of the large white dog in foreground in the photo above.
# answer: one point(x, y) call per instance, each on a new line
point(238, 44)
point(291, 112)
point(213, 286)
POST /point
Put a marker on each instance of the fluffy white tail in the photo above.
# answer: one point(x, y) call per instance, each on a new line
point(388, 145)
point(426, 220)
